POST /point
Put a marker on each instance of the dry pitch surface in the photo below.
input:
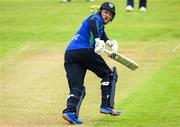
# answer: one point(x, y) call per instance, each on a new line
point(34, 87)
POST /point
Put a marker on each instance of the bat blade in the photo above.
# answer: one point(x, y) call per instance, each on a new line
point(123, 60)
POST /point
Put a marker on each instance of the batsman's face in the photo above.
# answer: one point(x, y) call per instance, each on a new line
point(106, 15)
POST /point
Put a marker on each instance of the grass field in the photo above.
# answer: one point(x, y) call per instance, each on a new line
point(33, 85)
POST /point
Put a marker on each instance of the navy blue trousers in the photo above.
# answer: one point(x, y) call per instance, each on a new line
point(77, 62)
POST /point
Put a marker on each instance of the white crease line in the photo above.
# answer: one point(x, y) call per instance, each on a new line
point(175, 49)
point(24, 48)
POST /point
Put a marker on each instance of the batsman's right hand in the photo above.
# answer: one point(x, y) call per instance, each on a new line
point(99, 46)
point(113, 44)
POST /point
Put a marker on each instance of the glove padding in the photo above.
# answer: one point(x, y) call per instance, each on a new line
point(113, 44)
point(99, 46)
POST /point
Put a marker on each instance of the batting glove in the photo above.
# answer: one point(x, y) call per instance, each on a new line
point(113, 44)
point(99, 46)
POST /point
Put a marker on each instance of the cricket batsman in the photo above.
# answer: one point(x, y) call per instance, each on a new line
point(84, 53)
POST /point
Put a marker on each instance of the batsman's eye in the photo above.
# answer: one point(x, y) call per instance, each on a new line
point(106, 12)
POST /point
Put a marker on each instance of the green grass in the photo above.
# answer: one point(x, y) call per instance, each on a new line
point(48, 21)
point(153, 104)
point(36, 21)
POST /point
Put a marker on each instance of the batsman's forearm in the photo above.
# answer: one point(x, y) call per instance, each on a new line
point(93, 28)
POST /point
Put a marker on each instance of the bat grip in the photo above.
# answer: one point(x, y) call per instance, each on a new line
point(107, 51)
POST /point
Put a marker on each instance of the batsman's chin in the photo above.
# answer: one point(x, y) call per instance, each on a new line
point(106, 22)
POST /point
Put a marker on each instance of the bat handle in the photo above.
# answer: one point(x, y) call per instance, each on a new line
point(107, 51)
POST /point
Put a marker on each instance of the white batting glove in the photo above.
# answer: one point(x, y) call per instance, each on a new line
point(113, 44)
point(99, 46)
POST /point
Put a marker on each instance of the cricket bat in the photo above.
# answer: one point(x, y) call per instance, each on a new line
point(122, 59)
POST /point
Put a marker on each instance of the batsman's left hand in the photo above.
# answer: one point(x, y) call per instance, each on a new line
point(99, 46)
point(113, 44)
